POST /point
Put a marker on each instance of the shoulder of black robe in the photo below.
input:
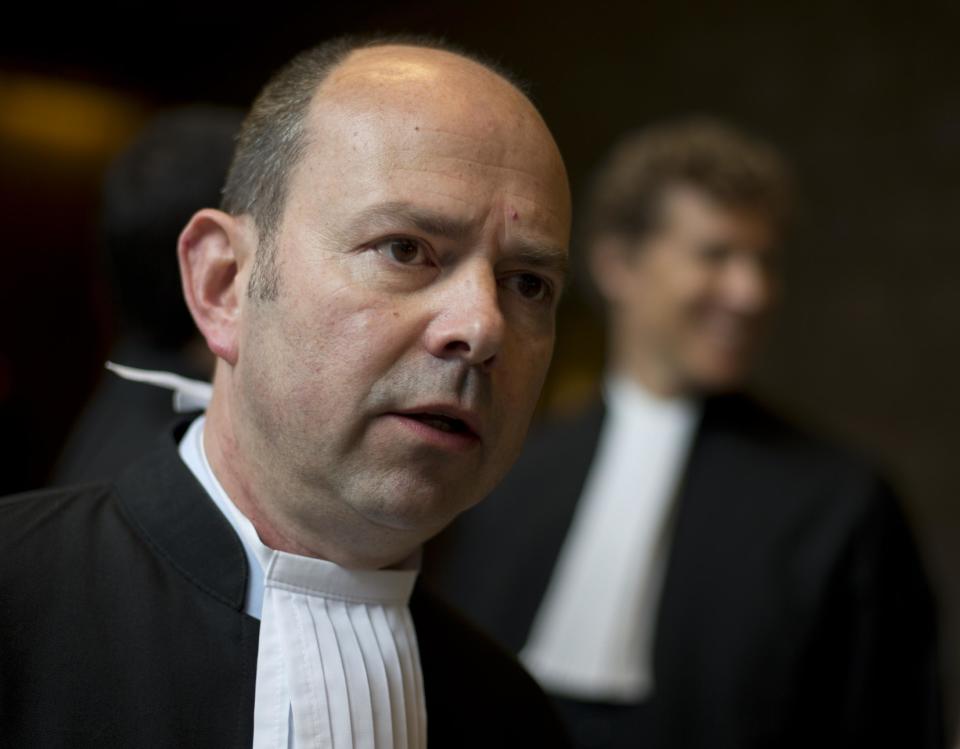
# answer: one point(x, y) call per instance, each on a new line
point(478, 695)
point(794, 587)
point(121, 420)
point(122, 624)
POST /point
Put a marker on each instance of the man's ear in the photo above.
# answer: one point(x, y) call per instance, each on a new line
point(212, 248)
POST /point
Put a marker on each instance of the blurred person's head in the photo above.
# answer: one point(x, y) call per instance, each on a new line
point(682, 226)
point(380, 290)
point(176, 165)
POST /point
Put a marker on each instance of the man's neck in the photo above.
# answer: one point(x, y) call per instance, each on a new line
point(353, 544)
point(648, 372)
point(223, 454)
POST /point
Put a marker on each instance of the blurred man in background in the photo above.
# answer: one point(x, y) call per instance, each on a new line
point(177, 165)
point(679, 566)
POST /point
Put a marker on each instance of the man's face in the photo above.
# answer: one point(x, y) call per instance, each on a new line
point(420, 258)
point(691, 301)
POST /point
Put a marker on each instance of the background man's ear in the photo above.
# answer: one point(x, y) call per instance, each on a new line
point(212, 248)
point(609, 260)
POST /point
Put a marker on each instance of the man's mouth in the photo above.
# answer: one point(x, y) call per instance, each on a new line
point(730, 333)
point(444, 426)
point(443, 423)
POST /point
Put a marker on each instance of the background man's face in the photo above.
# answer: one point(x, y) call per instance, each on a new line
point(420, 260)
point(693, 299)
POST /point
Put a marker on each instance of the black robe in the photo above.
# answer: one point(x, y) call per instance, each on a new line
point(794, 612)
point(122, 625)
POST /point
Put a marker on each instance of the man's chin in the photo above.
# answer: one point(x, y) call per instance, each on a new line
point(417, 509)
point(717, 377)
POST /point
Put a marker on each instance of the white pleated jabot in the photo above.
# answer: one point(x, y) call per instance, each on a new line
point(592, 637)
point(337, 665)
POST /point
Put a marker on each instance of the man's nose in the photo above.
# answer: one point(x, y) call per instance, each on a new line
point(750, 286)
point(468, 323)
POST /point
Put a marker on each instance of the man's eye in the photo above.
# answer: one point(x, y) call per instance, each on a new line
point(531, 287)
point(715, 254)
point(404, 251)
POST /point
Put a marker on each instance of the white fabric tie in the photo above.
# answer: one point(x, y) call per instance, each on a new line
point(593, 635)
point(338, 664)
point(188, 395)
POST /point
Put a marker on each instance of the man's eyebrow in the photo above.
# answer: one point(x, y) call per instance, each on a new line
point(543, 257)
point(424, 220)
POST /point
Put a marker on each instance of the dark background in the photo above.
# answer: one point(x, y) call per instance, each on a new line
point(863, 100)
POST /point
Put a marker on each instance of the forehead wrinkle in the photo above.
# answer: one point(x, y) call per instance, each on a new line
point(556, 213)
point(436, 172)
point(495, 139)
point(492, 153)
point(490, 165)
point(426, 220)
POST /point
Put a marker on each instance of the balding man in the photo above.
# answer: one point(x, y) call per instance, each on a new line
point(380, 292)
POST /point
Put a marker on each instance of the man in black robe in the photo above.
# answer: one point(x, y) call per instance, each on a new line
point(379, 290)
point(679, 565)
